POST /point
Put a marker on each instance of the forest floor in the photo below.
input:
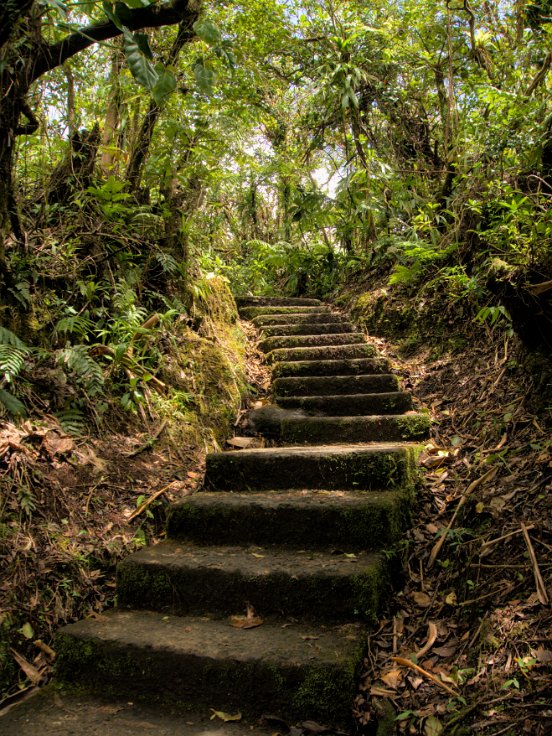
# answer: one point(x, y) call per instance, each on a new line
point(461, 648)
point(464, 646)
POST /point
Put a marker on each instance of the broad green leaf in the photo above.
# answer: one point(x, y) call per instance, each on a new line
point(208, 32)
point(205, 77)
point(141, 69)
point(166, 83)
point(143, 43)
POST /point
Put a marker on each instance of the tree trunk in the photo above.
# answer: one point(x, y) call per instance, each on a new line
point(143, 142)
point(112, 114)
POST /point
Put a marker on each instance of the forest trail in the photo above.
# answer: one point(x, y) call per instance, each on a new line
point(257, 601)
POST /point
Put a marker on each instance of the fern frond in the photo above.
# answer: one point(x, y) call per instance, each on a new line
point(72, 420)
point(7, 337)
point(11, 403)
point(12, 361)
point(77, 359)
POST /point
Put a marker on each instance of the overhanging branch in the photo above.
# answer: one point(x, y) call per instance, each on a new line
point(154, 16)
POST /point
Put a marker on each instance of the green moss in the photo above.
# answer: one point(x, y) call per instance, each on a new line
point(414, 427)
point(328, 693)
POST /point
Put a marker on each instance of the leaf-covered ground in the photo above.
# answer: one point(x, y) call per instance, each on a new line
point(464, 647)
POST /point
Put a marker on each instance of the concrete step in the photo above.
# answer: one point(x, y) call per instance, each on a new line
point(294, 427)
point(306, 519)
point(393, 402)
point(313, 585)
point(59, 711)
point(293, 318)
point(251, 312)
point(344, 467)
point(324, 352)
point(307, 341)
point(295, 672)
point(276, 301)
point(328, 385)
point(320, 328)
point(339, 367)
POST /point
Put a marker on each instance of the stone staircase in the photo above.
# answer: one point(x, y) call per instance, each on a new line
point(295, 530)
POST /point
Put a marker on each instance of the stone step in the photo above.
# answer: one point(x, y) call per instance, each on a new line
point(307, 341)
point(295, 672)
point(401, 428)
point(344, 467)
point(340, 367)
point(276, 301)
point(306, 519)
point(266, 320)
point(55, 710)
point(320, 328)
point(324, 352)
point(186, 579)
point(393, 402)
point(250, 312)
point(327, 385)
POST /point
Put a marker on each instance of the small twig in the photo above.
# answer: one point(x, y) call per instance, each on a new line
point(506, 589)
point(472, 486)
point(148, 444)
point(407, 663)
point(505, 536)
point(539, 582)
point(149, 501)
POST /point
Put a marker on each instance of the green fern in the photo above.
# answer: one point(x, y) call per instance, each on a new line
point(7, 337)
point(89, 373)
point(11, 403)
point(12, 361)
point(72, 420)
point(13, 353)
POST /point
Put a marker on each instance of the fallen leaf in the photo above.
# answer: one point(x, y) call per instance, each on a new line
point(226, 717)
point(432, 634)
point(242, 443)
point(422, 599)
point(34, 675)
point(433, 726)
point(249, 621)
point(56, 444)
point(393, 678)
point(451, 599)
point(381, 692)
point(446, 651)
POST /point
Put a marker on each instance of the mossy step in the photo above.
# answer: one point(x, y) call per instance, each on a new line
point(250, 312)
point(320, 328)
point(306, 519)
point(327, 385)
point(349, 405)
point(296, 672)
point(276, 301)
point(187, 579)
point(307, 341)
point(345, 467)
point(323, 352)
point(380, 428)
point(266, 320)
point(339, 367)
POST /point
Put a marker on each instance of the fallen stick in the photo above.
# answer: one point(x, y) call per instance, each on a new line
point(408, 663)
point(539, 582)
point(464, 497)
point(504, 536)
point(148, 444)
point(149, 501)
